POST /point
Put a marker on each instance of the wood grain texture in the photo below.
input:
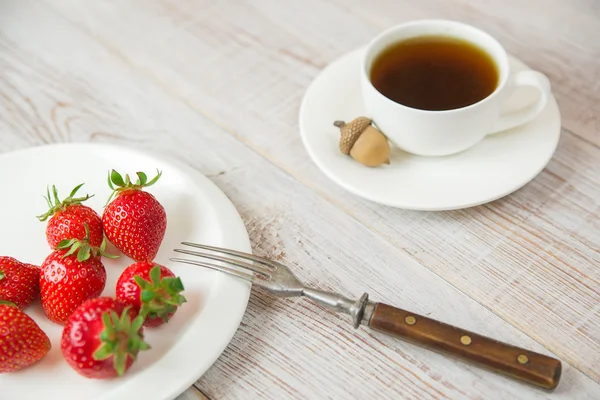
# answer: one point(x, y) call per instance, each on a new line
point(531, 257)
point(281, 45)
point(528, 259)
point(192, 393)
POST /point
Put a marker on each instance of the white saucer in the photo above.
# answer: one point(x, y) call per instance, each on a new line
point(497, 166)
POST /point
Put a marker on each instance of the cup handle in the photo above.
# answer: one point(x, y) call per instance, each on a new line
point(515, 118)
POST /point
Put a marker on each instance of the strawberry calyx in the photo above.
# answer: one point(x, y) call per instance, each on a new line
point(83, 248)
point(55, 204)
point(160, 297)
point(7, 303)
point(120, 338)
point(119, 184)
point(1, 275)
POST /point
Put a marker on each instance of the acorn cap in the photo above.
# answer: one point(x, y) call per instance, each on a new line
point(351, 131)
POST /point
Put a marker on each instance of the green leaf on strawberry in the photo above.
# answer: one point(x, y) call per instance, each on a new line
point(118, 184)
point(120, 338)
point(143, 178)
point(55, 204)
point(160, 297)
point(83, 247)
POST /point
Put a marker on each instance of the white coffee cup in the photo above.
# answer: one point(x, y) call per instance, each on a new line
point(439, 133)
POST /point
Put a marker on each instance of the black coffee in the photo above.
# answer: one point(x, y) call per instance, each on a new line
point(434, 73)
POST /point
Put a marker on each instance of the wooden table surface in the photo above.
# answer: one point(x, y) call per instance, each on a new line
point(218, 84)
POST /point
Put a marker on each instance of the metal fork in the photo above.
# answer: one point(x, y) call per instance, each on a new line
point(530, 367)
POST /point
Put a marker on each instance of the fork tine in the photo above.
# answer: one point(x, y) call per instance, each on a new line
point(230, 271)
point(259, 270)
point(246, 256)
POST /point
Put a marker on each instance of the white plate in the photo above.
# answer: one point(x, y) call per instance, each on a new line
point(497, 166)
point(197, 210)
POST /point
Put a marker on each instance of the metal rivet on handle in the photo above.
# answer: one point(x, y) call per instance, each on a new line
point(522, 359)
point(466, 340)
point(410, 320)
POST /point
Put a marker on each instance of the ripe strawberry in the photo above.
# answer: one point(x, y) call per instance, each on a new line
point(151, 288)
point(68, 217)
point(102, 338)
point(22, 342)
point(135, 222)
point(19, 282)
point(70, 275)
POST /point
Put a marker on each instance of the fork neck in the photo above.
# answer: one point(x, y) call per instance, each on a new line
point(339, 303)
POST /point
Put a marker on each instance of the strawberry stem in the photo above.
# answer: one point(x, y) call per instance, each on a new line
point(83, 247)
point(55, 205)
point(160, 297)
point(119, 184)
point(120, 338)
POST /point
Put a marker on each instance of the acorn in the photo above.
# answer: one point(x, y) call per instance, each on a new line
point(365, 143)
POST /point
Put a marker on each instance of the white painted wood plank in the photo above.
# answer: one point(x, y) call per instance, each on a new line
point(281, 44)
point(59, 85)
point(192, 394)
point(531, 257)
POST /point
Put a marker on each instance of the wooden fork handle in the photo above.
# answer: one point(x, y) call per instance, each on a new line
point(536, 369)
